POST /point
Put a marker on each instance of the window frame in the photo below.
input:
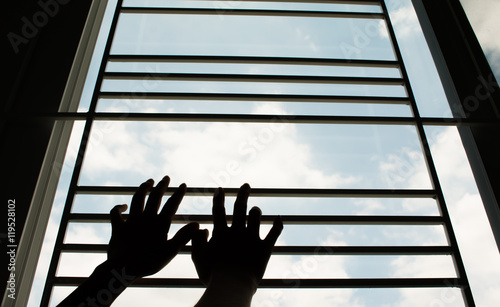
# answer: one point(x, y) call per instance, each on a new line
point(48, 179)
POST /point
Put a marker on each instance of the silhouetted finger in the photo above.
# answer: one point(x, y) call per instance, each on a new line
point(183, 236)
point(198, 255)
point(254, 221)
point(218, 210)
point(137, 205)
point(154, 199)
point(275, 232)
point(172, 204)
point(116, 216)
point(240, 206)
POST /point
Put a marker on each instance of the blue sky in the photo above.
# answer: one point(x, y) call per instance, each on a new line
point(288, 155)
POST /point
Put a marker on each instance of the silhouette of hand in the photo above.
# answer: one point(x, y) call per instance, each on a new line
point(236, 254)
point(140, 243)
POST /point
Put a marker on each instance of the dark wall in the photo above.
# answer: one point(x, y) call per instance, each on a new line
point(39, 42)
point(479, 94)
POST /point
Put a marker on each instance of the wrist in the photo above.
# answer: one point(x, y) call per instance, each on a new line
point(219, 296)
point(234, 280)
point(116, 273)
point(229, 288)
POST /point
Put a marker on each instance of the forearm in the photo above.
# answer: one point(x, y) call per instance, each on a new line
point(102, 287)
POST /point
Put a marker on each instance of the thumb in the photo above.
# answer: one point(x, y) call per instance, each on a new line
point(116, 216)
point(182, 237)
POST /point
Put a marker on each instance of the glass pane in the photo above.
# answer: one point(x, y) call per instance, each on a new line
point(93, 71)
point(362, 235)
point(300, 235)
point(228, 5)
point(410, 297)
point(149, 84)
point(331, 266)
point(242, 35)
point(264, 154)
point(425, 82)
point(279, 205)
point(295, 297)
point(253, 68)
point(79, 264)
point(58, 294)
point(133, 297)
point(88, 233)
point(470, 223)
point(251, 107)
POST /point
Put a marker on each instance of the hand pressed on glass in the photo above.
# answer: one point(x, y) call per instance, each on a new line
point(138, 246)
point(233, 262)
point(140, 243)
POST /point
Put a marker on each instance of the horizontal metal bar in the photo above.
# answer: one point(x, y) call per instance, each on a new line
point(261, 118)
point(291, 283)
point(251, 12)
point(145, 76)
point(287, 219)
point(271, 192)
point(256, 97)
point(242, 118)
point(305, 250)
point(252, 60)
point(256, 118)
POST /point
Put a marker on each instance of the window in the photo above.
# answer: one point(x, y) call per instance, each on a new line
point(316, 106)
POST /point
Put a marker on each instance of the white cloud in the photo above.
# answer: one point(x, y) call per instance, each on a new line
point(113, 147)
point(470, 224)
point(207, 154)
point(466, 217)
point(424, 267)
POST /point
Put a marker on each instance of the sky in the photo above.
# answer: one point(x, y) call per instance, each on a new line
point(280, 154)
point(482, 15)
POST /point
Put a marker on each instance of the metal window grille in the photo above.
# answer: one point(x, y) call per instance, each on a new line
point(92, 115)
